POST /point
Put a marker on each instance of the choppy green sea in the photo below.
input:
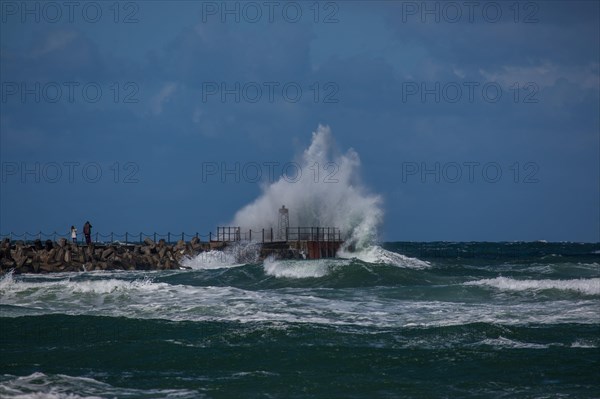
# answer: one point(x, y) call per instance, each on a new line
point(474, 320)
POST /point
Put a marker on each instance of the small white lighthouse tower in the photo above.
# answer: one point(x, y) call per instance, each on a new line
point(283, 224)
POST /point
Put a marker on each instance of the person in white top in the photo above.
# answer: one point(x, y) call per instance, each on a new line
point(74, 234)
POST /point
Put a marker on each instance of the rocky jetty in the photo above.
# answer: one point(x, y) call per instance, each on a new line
point(65, 256)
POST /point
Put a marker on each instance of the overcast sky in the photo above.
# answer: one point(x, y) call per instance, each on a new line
point(473, 120)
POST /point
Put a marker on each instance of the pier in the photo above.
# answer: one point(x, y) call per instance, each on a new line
point(62, 255)
point(288, 242)
point(248, 245)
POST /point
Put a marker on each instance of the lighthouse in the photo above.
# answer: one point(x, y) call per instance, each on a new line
point(283, 223)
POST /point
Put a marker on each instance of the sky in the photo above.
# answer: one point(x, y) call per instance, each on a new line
point(473, 121)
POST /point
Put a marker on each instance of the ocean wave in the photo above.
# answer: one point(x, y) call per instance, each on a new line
point(507, 343)
point(144, 299)
point(9, 285)
point(378, 255)
point(502, 342)
point(321, 267)
point(124, 295)
point(584, 344)
point(585, 286)
point(59, 386)
point(301, 268)
point(235, 254)
point(575, 266)
point(211, 260)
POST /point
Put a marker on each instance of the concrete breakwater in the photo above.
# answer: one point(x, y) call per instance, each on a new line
point(65, 256)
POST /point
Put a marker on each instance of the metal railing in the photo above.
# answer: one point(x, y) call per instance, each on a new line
point(226, 234)
point(313, 234)
point(327, 234)
point(112, 237)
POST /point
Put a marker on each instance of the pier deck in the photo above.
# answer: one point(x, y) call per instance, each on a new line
point(294, 242)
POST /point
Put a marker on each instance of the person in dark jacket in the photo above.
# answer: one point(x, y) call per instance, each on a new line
point(87, 232)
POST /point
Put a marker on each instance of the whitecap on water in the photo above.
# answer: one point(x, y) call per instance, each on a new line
point(378, 255)
point(235, 254)
point(583, 344)
point(322, 267)
point(210, 260)
point(502, 342)
point(59, 386)
point(585, 286)
point(301, 268)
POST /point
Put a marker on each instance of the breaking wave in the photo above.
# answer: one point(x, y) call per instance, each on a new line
point(59, 386)
point(326, 192)
point(378, 255)
point(210, 260)
point(145, 299)
point(236, 254)
point(301, 268)
point(585, 286)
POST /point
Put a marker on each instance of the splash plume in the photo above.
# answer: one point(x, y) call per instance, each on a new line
point(333, 197)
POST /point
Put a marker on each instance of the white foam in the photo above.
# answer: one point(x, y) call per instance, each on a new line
point(585, 286)
point(511, 344)
point(100, 286)
point(76, 296)
point(301, 268)
point(322, 267)
point(7, 280)
point(583, 344)
point(59, 386)
point(146, 299)
point(376, 254)
point(235, 254)
point(210, 260)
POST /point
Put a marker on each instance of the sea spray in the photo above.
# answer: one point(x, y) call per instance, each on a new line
point(236, 254)
point(301, 268)
point(332, 197)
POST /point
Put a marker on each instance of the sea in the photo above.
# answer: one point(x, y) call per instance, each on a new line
point(395, 320)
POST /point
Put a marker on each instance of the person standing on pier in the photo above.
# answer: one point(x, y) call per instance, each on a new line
point(87, 232)
point(74, 234)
